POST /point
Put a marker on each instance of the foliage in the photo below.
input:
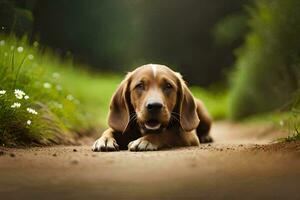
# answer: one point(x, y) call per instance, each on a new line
point(230, 29)
point(267, 67)
point(15, 19)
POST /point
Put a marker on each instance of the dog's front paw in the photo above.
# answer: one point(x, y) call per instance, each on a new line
point(105, 144)
point(206, 139)
point(142, 144)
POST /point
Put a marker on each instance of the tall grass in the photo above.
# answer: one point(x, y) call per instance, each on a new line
point(68, 100)
point(293, 120)
point(28, 85)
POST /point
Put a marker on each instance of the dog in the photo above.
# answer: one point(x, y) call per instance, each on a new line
point(153, 109)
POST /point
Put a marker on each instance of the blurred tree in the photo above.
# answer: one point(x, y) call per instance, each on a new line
point(231, 29)
point(122, 34)
point(119, 35)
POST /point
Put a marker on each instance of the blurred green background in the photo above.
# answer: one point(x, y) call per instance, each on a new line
point(241, 57)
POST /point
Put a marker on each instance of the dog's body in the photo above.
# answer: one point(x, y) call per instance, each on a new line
point(153, 109)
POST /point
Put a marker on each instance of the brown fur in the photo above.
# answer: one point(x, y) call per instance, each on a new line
point(183, 119)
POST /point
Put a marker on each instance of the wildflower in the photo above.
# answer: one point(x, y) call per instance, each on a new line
point(30, 57)
point(2, 92)
point(19, 94)
point(47, 85)
point(20, 49)
point(58, 87)
point(28, 122)
point(281, 123)
point(26, 97)
point(16, 105)
point(32, 111)
point(2, 42)
point(35, 44)
point(70, 97)
point(55, 75)
point(58, 105)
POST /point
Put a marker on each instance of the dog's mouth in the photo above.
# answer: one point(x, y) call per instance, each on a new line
point(152, 124)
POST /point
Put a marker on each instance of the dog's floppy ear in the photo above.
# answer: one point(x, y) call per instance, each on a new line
point(189, 119)
point(118, 117)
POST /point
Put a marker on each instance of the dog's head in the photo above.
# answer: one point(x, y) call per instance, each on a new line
point(153, 96)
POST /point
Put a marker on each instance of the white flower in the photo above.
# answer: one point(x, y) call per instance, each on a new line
point(19, 94)
point(281, 123)
point(2, 92)
point(58, 105)
point(2, 42)
point(32, 111)
point(58, 87)
point(35, 44)
point(20, 49)
point(28, 122)
point(70, 97)
point(16, 105)
point(30, 57)
point(55, 75)
point(47, 85)
point(26, 97)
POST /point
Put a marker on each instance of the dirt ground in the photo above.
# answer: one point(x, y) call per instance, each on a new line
point(240, 164)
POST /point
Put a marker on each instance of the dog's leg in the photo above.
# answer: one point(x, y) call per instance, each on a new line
point(152, 142)
point(204, 124)
point(106, 142)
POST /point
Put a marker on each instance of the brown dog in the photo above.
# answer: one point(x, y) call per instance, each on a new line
point(153, 109)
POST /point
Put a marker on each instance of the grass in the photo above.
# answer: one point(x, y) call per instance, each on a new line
point(293, 120)
point(68, 99)
point(215, 101)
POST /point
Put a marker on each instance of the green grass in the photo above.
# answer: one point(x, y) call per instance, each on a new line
point(293, 120)
point(68, 99)
point(215, 101)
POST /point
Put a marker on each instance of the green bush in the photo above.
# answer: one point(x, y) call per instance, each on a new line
point(268, 64)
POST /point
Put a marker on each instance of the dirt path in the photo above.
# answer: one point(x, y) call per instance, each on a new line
point(241, 164)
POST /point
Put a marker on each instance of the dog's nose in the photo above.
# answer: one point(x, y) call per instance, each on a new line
point(154, 106)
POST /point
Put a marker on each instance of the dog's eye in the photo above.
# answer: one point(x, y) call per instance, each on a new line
point(168, 86)
point(140, 86)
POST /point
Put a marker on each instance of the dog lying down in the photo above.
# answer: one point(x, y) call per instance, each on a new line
point(154, 109)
